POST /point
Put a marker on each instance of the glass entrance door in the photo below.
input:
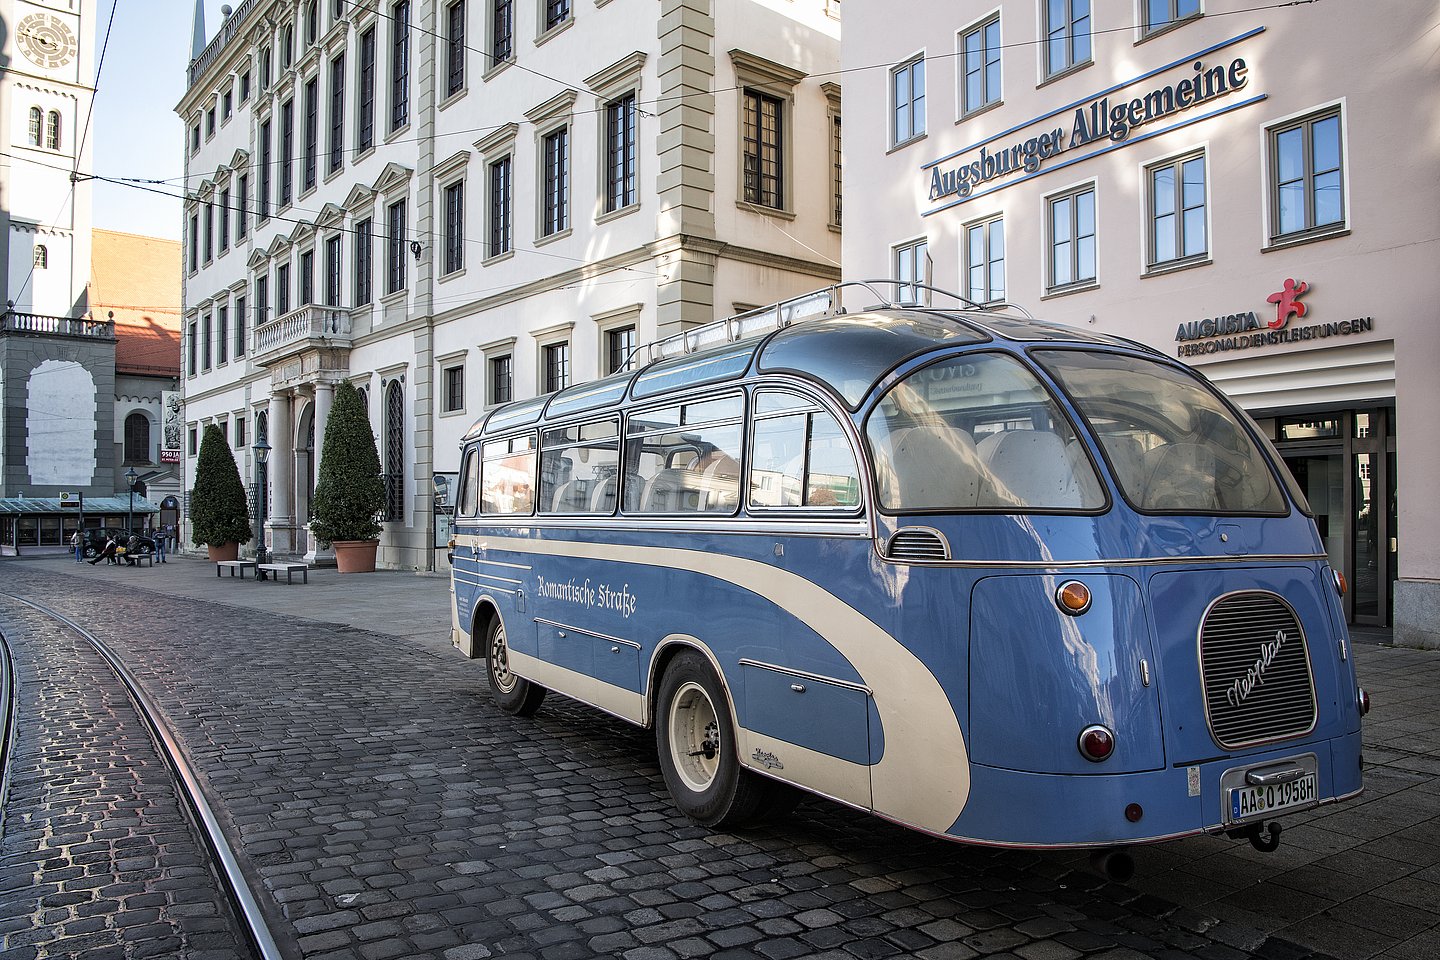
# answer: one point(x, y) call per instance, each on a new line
point(1321, 476)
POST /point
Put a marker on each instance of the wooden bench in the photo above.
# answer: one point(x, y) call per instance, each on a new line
point(233, 565)
point(146, 558)
point(289, 569)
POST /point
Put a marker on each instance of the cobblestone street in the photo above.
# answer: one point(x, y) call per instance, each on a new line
point(385, 809)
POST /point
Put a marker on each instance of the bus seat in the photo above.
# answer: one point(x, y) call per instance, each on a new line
point(720, 483)
point(602, 498)
point(1030, 468)
point(1127, 461)
point(1180, 476)
point(564, 499)
point(935, 465)
point(668, 492)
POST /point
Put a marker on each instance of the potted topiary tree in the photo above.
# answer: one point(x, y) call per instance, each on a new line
point(348, 491)
point(219, 516)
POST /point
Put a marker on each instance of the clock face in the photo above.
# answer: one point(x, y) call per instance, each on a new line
point(46, 40)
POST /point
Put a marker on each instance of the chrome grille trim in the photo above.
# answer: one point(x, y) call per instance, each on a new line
point(920, 544)
point(1258, 687)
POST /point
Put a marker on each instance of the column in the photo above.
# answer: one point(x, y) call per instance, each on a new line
point(324, 398)
point(281, 436)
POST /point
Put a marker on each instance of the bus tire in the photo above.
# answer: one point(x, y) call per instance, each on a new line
point(696, 742)
point(514, 695)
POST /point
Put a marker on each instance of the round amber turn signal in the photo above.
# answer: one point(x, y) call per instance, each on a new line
point(1073, 597)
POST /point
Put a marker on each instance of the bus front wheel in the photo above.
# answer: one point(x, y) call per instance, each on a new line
point(696, 742)
point(515, 695)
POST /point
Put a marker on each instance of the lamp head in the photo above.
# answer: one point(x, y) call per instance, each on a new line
point(131, 476)
point(262, 451)
point(415, 249)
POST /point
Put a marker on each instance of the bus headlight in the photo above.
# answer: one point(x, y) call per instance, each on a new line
point(1096, 743)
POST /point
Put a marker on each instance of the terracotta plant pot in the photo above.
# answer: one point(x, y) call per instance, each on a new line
point(355, 556)
point(223, 551)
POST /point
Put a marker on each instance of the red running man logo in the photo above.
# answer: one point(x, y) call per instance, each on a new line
point(1287, 301)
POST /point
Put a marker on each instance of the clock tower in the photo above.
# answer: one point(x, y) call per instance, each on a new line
point(46, 89)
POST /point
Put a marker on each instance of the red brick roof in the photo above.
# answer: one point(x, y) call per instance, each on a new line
point(138, 280)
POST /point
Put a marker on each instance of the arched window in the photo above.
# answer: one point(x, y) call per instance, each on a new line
point(364, 399)
point(36, 118)
point(137, 438)
point(394, 451)
point(287, 45)
point(42, 257)
point(52, 131)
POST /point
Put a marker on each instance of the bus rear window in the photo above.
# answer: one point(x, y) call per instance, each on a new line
point(978, 432)
point(1173, 444)
point(507, 476)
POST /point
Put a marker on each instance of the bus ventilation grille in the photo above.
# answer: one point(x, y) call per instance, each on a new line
point(1258, 685)
point(917, 544)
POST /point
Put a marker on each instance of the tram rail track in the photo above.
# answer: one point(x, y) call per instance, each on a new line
point(244, 904)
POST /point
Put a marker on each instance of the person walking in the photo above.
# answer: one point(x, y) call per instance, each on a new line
point(77, 543)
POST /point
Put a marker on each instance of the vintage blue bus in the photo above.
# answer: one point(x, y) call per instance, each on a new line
point(998, 580)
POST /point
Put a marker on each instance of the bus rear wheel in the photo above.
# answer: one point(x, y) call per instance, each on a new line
point(514, 695)
point(696, 742)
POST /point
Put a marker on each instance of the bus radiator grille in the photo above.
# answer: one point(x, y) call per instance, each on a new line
point(1258, 685)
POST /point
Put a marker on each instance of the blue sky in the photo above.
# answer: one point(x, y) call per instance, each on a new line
point(135, 132)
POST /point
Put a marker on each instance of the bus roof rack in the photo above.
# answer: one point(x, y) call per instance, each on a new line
point(816, 305)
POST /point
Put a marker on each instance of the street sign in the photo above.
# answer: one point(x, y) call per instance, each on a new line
point(68, 499)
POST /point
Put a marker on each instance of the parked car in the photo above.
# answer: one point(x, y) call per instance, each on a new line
point(95, 540)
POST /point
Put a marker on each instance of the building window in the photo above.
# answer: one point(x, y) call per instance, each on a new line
point(239, 433)
point(557, 367)
point(287, 151)
point(455, 48)
point(985, 261)
point(42, 257)
point(332, 271)
point(912, 267)
point(52, 129)
point(192, 445)
point(194, 263)
point(1071, 225)
point(1163, 14)
point(245, 87)
point(836, 160)
point(262, 204)
point(222, 334)
point(37, 118)
point(907, 90)
point(556, 13)
point(227, 105)
point(239, 327)
point(502, 32)
point(312, 132)
point(620, 140)
point(337, 113)
point(195, 138)
point(455, 227)
point(282, 290)
point(1177, 211)
point(619, 345)
point(137, 438)
point(205, 334)
point(242, 206)
point(395, 248)
point(1067, 35)
point(364, 254)
point(365, 107)
point(980, 80)
point(209, 232)
point(307, 279)
point(209, 123)
point(555, 201)
point(502, 379)
point(394, 451)
point(763, 147)
point(454, 389)
point(224, 220)
point(192, 367)
point(312, 22)
point(262, 299)
point(287, 46)
point(399, 65)
point(1307, 181)
point(266, 60)
point(500, 207)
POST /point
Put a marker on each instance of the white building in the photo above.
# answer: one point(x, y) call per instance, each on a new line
point(452, 204)
point(1254, 191)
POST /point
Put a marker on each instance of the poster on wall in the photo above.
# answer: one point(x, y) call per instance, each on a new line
point(172, 426)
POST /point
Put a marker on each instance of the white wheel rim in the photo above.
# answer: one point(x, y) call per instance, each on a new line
point(694, 736)
point(500, 661)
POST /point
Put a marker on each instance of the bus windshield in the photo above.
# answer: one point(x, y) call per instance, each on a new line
point(1174, 446)
point(978, 432)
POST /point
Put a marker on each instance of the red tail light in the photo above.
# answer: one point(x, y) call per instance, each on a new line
point(1096, 743)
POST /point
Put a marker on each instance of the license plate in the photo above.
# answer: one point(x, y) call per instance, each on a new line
point(1252, 801)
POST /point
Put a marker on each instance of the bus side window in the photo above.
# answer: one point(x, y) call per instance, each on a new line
point(685, 459)
point(470, 483)
point(507, 476)
point(579, 466)
point(800, 456)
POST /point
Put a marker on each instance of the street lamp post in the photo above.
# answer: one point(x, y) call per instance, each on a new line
point(262, 454)
point(130, 477)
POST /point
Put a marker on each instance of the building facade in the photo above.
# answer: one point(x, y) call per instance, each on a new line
point(1212, 183)
point(455, 204)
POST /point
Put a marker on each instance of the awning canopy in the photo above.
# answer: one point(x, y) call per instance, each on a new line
point(93, 505)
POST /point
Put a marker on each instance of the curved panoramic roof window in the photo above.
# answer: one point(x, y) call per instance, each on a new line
point(726, 363)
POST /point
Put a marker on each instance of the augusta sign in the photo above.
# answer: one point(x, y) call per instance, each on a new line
point(1126, 113)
